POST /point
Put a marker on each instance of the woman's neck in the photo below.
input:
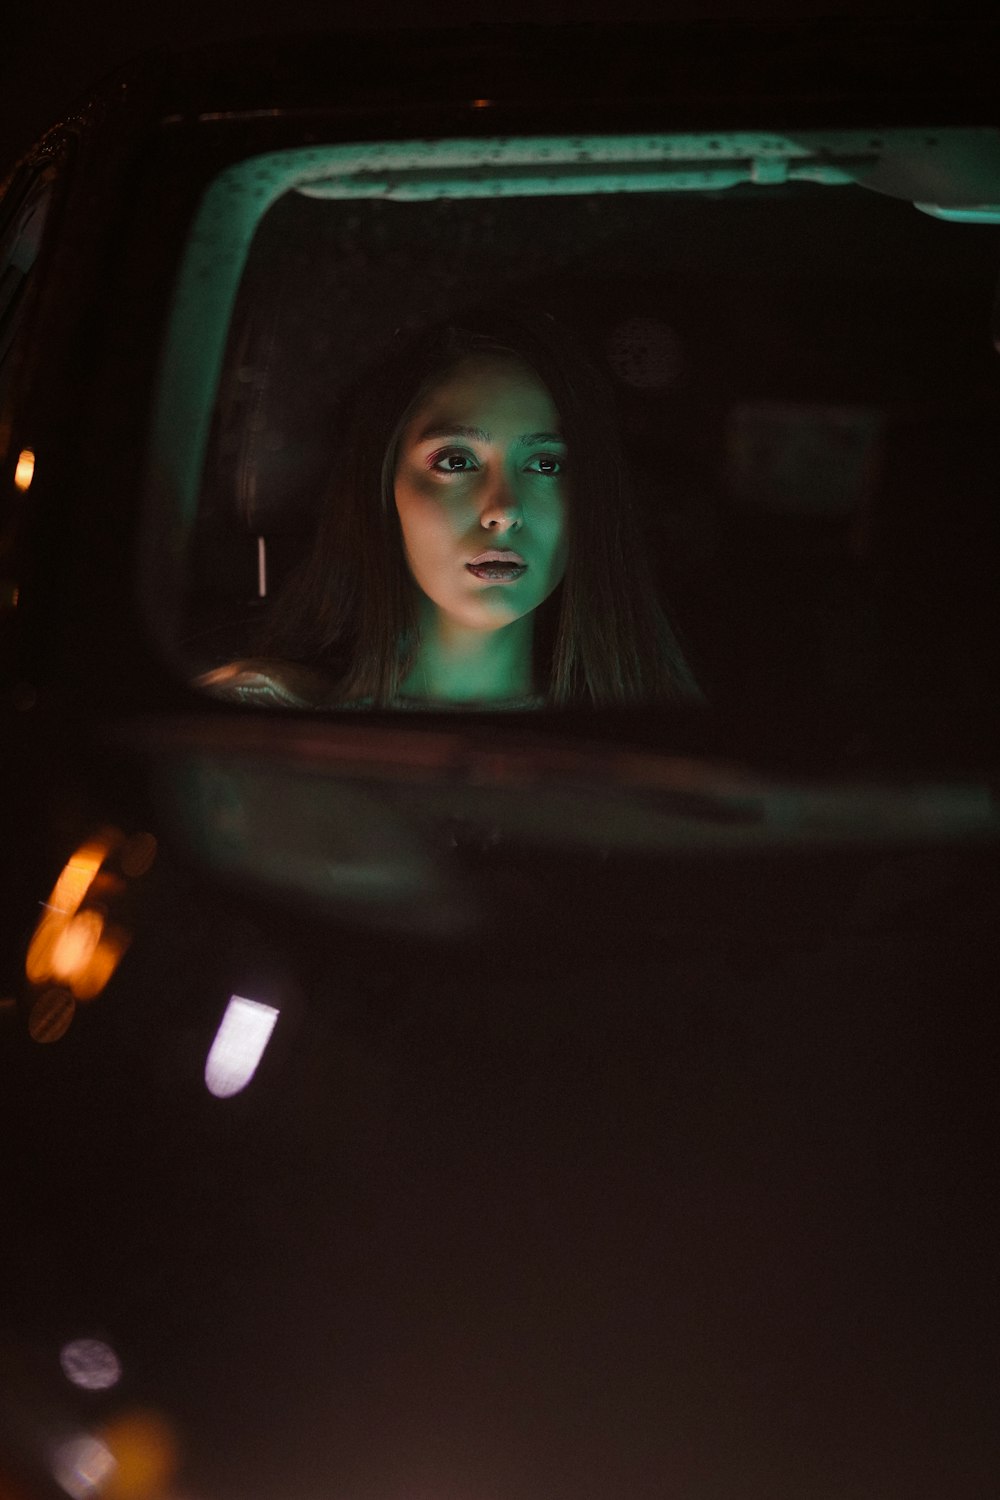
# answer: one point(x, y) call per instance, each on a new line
point(458, 665)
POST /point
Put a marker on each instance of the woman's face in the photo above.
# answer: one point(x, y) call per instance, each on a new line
point(481, 475)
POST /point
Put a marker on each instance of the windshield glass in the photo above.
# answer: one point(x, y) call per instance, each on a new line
point(524, 425)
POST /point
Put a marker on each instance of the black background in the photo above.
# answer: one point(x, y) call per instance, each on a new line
point(51, 52)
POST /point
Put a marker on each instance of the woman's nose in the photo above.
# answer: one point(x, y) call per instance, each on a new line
point(501, 506)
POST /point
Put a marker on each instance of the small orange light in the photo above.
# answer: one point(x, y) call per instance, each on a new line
point(52, 936)
point(25, 471)
point(481, 103)
point(80, 948)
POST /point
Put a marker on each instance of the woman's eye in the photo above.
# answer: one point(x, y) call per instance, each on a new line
point(453, 463)
point(547, 463)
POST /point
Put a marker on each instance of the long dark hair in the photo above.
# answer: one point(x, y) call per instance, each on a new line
point(350, 610)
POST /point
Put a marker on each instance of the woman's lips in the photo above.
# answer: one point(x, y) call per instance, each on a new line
point(498, 565)
point(497, 572)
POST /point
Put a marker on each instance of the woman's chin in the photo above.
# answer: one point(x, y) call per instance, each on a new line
point(499, 619)
point(485, 613)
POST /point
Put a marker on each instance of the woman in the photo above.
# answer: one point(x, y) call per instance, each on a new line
point(478, 549)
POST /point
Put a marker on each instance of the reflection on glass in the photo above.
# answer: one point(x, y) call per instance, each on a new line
point(238, 1046)
point(478, 547)
point(90, 1364)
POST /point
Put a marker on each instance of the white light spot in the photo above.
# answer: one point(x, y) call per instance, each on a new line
point(239, 1045)
point(91, 1364)
point(82, 1465)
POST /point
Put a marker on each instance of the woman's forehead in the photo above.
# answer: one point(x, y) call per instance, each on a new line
point(486, 392)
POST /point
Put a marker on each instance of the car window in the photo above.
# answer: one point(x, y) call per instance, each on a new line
point(799, 367)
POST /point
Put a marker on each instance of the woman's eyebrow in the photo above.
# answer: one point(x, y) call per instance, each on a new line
point(477, 434)
point(453, 429)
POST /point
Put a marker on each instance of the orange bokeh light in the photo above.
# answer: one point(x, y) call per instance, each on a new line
point(72, 946)
point(24, 473)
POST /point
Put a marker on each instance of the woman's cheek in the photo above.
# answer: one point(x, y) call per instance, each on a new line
point(420, 511)
point(435, 504)
point(416, 485)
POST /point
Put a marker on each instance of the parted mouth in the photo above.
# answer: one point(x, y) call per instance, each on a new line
point(493, 555)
